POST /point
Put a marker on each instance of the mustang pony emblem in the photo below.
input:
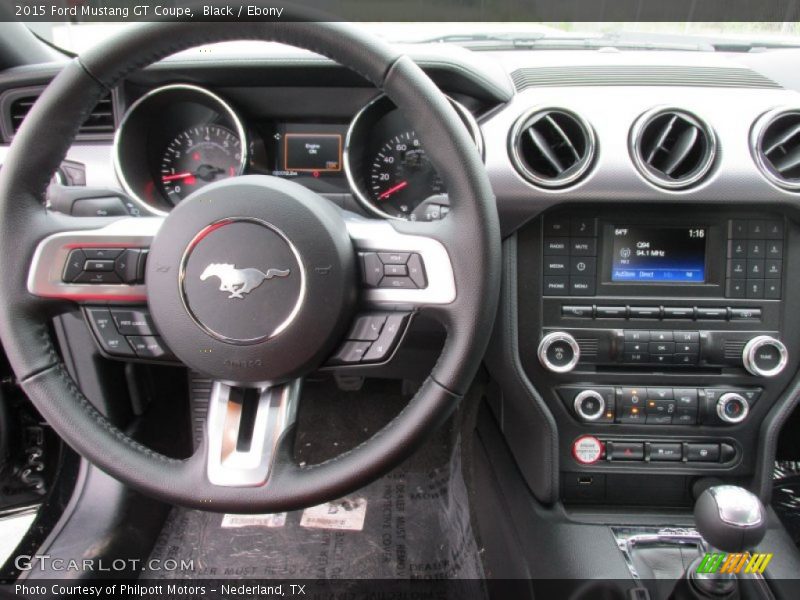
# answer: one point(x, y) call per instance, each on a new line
point(239, 281)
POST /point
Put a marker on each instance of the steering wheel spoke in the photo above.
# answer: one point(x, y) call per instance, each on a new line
point(244, 430)
point(103, 264)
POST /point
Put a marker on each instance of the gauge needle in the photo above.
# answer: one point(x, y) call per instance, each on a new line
point(167, 178)
point(392, 190)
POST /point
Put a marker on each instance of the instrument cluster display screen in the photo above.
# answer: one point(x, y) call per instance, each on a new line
point(655, 254)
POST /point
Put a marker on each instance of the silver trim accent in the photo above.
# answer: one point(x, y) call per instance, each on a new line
point(182, 279)
point(749, 356)
point(756, 139)
point(362, 198)
point(379, 235)
point(276, 412)
point(585, 162)
point(120, 172)
point(726, 399)
point(642, 167)
point(547, 341)
point(578, 405)
point(628, 538)
point(50, 257)
point(737, 506)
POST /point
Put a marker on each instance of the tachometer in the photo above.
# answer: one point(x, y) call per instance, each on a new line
point(197, 157)
point(401, 176)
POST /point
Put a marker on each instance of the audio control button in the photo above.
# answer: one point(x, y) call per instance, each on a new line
point(559, 352)
point(765, 356)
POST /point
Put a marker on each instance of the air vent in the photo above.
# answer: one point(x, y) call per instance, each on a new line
point(672, 148)
point(776, 147)
point(552, 147)
point(99, 124)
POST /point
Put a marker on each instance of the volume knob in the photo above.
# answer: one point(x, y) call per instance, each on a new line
point(559, 352)
point(765, 356)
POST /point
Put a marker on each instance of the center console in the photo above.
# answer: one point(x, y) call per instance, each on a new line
point(658, 339)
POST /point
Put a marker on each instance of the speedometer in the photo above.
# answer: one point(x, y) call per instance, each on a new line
point(197, 157)
point(401, 176)
point(387, 167)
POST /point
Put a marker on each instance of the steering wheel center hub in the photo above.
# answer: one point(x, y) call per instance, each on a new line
point(252, 279)
point(242, 280)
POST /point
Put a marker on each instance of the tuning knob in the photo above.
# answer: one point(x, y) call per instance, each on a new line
point(559, 352)
point(765, 356)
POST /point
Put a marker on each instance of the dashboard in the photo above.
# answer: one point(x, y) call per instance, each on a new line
point(178, 138)
point(650, 213)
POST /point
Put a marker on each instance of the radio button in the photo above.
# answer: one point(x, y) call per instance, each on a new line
point(772, 289)
point(712, 314)
point(637, 336)
point(556, 265)
point(556, 246)
point(737, 249)
point(661, 336)
point(755, 249)
point(774, 249)
point(582, 312)
point(645, 312)
point(773, 230)
point(735, 288)
point(755, 268)
point(755, 288)
point(737, 267)
point(745, 314)
point(678, 312)
point(581, 286)
point(773, 269)
point(755, 230)
point(611, 312)
point(556, 286)
point(692, 337)
point(585, 266)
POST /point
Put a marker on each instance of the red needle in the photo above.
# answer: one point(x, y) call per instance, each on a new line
point(392, 190)
point(166, 178)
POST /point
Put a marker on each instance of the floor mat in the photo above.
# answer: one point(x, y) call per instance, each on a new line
point(412, 523)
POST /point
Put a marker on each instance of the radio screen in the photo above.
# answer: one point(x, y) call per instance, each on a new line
point(658, 254)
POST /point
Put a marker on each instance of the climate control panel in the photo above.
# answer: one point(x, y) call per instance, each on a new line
point(659, 405)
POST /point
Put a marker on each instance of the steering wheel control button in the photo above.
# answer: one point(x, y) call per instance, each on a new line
point(104, 266)
point(371, 340)
point(126, 266)
point(351, 352)
point(587, 450)
point(559, 352)
point(74, 267)
point(732, 408)
point(398, 270)
point(102, 253)
point(132, 322)
point(367, 328)
point(589, 405)
point(765, 356)
point(111, 341)
point(149, 347)
point(97, 277)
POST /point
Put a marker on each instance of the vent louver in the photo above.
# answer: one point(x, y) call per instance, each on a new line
point(672, 148)
point(552, 147)
point(776, 147)
point(99, 123)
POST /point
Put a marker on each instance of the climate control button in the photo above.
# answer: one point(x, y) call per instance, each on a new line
point(732, 407)
point(589, 405)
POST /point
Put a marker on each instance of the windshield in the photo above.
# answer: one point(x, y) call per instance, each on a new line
point(77, 37)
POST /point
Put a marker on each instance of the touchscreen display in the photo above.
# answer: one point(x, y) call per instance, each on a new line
point(651, 253)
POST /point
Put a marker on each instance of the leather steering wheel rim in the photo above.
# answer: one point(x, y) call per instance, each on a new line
point(470, 234)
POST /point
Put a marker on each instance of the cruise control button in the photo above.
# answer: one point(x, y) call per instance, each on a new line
point(394, 258)
point(402, 283)
point(110, 339)
point(367, 328)
point(148, 346)
point(395, 270)
point(665, 452)
point(133, 322)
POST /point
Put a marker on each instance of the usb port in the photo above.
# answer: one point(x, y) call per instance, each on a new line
point(585, 480)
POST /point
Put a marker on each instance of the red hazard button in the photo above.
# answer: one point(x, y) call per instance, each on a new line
point(587, 449)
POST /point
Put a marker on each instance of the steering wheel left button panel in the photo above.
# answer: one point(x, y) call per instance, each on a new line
point(127, 333)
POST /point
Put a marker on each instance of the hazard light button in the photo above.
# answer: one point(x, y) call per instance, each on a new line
point(626, 450)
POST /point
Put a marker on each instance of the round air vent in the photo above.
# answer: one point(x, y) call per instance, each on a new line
point(552, 147)
point(775, 144)
point(672, 148)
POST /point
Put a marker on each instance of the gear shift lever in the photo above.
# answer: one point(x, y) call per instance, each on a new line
point(731, 519)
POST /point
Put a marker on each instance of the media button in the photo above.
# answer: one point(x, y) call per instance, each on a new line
point(556, 265)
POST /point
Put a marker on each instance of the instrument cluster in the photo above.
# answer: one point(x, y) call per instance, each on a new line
point(179, 138)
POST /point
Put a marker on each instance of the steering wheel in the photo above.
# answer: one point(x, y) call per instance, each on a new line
point(262, 340)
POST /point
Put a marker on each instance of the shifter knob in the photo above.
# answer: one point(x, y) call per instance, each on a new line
point(730, 518)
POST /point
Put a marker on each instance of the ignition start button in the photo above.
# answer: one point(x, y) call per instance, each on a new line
point(587, 449)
